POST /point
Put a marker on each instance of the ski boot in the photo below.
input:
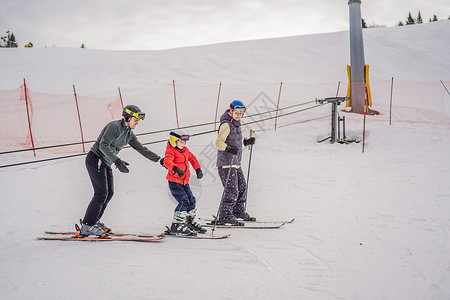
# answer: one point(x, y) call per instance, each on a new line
point(87, 230)
point(231, 220)
point(245, 216)
point(178, 226)
point(190, 222)
point(103, 226)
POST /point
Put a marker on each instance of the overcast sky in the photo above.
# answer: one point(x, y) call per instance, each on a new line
point(162, 24)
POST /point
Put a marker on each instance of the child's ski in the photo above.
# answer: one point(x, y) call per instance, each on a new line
point(209, 220)
point(200, 236)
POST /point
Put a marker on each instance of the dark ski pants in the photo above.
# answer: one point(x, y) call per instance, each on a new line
point(102, 181)
point(183, 195)
point(235, 193)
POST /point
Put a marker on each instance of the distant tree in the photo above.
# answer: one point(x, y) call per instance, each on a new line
point(419, 18)
point(400, 23)
point(9, 40)
point(373, 25)
point(364, 25)
point(82, 46)
point(410, 20)
point(435, 18)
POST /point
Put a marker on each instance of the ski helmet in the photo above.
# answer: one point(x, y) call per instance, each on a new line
point(177, 135)
point(130, 111)
point(237, 106)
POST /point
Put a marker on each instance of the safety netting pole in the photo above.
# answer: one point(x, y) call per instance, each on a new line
point(217, 106)
point(175, 99)
point(28, 115)
point(79, 118)
point(278, 105)
point(364, 126)
point(120, 95)
point(390, 106)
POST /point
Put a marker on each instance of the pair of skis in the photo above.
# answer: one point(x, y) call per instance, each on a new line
point(121, 237)
point(132, 237)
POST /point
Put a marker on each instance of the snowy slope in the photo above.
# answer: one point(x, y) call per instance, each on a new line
point(368, 226)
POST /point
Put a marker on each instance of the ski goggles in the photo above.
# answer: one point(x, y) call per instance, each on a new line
point(183, 137)
point(139, 115)
point(240, 109)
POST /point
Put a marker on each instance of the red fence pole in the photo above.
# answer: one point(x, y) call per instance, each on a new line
point(390, 107)
point(364, 126)
point(278, 104)
point(175, 98)
point(120, 95)
point(28, 116)
point(79, 118)
point(217, 106)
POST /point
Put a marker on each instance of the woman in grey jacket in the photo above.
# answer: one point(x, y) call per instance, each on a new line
point(114, 136)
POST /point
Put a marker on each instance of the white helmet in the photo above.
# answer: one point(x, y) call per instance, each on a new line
point(176, 135)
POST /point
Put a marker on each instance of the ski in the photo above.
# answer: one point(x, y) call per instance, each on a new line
point(200, 237)
point(247, 225)
point(110, 234)
point(103, 239)
point(209, 220)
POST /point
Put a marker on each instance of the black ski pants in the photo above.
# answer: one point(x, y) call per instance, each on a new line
point(102, 181)
point(235, 193)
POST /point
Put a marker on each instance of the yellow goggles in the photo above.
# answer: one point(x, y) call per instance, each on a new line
point(139, 115)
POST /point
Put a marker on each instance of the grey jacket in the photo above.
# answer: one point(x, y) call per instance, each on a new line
point(114, 136)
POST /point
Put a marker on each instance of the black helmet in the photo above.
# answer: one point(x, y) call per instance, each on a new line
point(130, 111)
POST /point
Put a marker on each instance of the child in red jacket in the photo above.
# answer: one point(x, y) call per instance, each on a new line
point(177, 159)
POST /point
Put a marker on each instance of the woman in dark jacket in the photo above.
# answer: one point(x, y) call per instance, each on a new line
point(229, 144)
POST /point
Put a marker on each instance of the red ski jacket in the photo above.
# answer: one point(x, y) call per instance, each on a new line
point(180, 158)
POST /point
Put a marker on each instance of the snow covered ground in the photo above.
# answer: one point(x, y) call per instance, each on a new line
point(373, 225)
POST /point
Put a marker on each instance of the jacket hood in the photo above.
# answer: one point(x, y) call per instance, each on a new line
point(227, 118)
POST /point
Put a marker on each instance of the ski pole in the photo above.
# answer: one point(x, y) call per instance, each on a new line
point(223, 195)
point(248, 174)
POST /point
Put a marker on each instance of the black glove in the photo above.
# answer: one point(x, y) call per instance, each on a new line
point(232, 149)
point(199, 173)
point(178, 171)
point(161, 162)
point(249, 141)
point(122, 165)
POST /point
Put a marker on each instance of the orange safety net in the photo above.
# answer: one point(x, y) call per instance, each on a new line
point(52, 120)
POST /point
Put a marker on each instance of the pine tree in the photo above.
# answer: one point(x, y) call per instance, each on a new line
point(364, 25)
point(410, 20)
point(9, 40)
point(401, 23)
point(435, 18)
point(82, 46)
point(419, 18)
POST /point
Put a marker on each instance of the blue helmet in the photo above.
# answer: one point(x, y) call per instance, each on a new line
point(238, 106)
